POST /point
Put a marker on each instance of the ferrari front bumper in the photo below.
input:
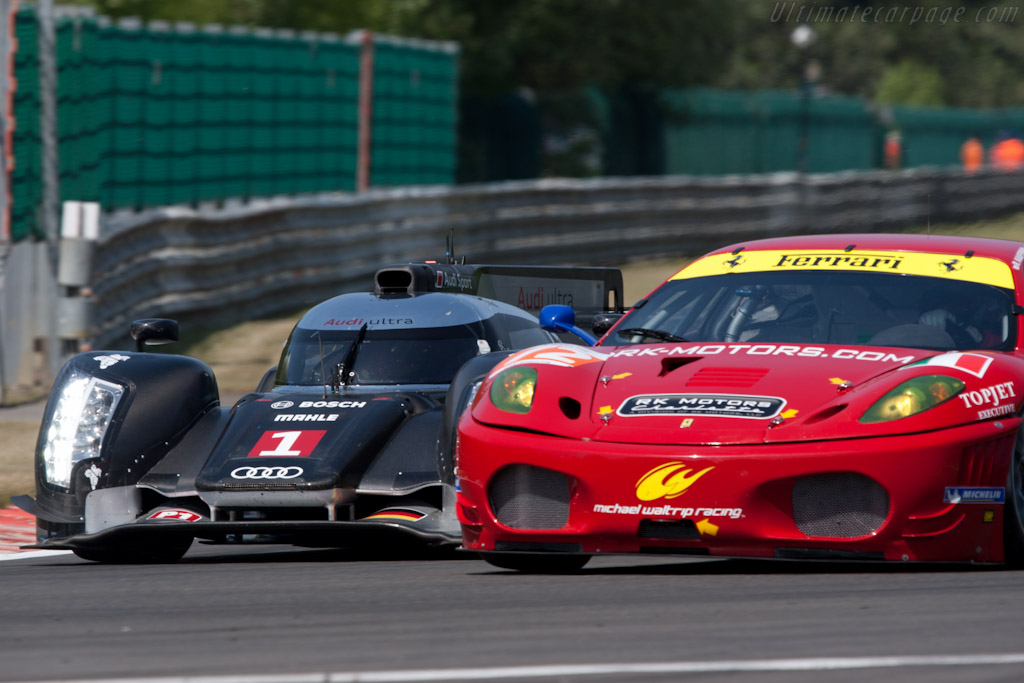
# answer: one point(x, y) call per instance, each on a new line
point(935, 496)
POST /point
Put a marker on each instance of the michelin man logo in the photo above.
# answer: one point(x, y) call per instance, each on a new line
point(93, 474)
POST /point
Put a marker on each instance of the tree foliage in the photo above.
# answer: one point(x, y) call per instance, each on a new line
point(972, 59)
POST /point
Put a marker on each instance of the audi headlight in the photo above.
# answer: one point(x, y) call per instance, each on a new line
point(79, 422)
point(912, 397)
point(512, 390)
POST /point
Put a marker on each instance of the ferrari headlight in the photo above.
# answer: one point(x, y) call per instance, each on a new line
point(513, 389)
point(912, 397)
point(79, 422)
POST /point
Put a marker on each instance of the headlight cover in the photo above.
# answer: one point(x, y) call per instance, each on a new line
point(79, 422)
point(914, 396)
point(513, 389)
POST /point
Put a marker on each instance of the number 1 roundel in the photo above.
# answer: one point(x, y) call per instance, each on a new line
point(291, 444)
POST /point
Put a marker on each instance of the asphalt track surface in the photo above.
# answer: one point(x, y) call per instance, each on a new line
point(274, 613)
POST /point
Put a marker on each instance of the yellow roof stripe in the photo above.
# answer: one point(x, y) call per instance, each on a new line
point(987, 271)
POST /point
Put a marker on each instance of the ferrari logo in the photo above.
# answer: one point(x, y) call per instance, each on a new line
point(734, 261)
point(952, 265)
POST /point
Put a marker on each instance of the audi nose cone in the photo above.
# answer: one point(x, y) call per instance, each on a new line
point(315, 448)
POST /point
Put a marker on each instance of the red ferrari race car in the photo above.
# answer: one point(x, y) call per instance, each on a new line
point(825, 397)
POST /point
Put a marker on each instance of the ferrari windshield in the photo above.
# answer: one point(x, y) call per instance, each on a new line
point(821, 307)
point(384, 356)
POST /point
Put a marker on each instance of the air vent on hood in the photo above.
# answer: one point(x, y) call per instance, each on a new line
point(727, 377)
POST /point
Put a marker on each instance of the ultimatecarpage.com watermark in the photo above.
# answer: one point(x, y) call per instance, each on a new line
point(802, 13)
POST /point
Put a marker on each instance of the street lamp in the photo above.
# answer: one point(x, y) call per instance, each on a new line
point(803, 37)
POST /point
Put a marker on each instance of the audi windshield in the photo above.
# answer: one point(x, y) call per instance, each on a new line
point(387, 356)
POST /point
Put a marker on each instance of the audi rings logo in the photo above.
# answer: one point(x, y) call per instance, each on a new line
point(281, 405)
point(266, 472)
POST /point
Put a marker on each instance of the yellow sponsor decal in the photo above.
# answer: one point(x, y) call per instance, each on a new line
point(980, 269)
point(706, 528)
point(670, 480)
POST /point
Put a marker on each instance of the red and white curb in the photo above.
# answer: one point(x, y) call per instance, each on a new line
point(17, 528)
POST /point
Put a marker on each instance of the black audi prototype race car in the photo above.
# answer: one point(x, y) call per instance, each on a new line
point(349, 440)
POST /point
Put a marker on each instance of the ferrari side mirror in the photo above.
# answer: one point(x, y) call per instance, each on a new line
point(559, 318)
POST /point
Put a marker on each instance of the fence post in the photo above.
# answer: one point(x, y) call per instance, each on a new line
point(365, 113)
point(7, 10)
point(49, 210)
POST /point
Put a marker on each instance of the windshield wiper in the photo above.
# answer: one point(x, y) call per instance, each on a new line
point(657, 334)
point(343, 368)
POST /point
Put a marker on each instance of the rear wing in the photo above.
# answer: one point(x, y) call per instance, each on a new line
point(588, 290)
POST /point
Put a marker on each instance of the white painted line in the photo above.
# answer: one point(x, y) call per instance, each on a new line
point(550, 671)
point(28, 554)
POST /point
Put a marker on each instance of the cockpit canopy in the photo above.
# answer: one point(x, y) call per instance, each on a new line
point(421, 339)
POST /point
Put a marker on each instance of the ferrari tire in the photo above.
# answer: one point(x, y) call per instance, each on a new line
point(1013, 524)
point(529, 563)
point(167, 551)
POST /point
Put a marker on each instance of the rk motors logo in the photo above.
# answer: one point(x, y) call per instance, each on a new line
point(715, 405)
point(266, 472)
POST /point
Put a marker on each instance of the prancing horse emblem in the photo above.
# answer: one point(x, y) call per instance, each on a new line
point(951, 265)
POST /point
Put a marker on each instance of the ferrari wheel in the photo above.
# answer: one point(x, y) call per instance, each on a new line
point(168, 551)
point(1013, 524)
point(538, 564)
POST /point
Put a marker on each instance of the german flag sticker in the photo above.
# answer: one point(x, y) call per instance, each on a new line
point(400, 514)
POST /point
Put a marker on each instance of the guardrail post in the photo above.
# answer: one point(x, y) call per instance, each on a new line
point(79, 232)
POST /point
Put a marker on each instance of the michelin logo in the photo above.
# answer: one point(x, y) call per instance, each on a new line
point(975, 494)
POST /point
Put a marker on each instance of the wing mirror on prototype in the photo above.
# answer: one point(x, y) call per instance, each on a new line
point(154, 331)
point(604, 322)
point(559, 318)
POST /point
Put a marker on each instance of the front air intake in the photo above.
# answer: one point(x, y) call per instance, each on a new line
point(390, 281)
point(839, 505)
point(526, 497)
point(405, 279)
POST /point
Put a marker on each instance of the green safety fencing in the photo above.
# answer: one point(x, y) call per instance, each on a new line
point(154, 115)
point(703, 131)
point(414, 115)
point(715, 132)
point(26, 176)
point(934, 136)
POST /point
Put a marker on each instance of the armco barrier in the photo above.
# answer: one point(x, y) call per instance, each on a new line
point(215, 267)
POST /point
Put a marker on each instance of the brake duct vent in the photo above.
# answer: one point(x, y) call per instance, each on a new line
point(527, 497)
point(839, 505)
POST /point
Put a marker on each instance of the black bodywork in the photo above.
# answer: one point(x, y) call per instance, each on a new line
point(137, 458)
